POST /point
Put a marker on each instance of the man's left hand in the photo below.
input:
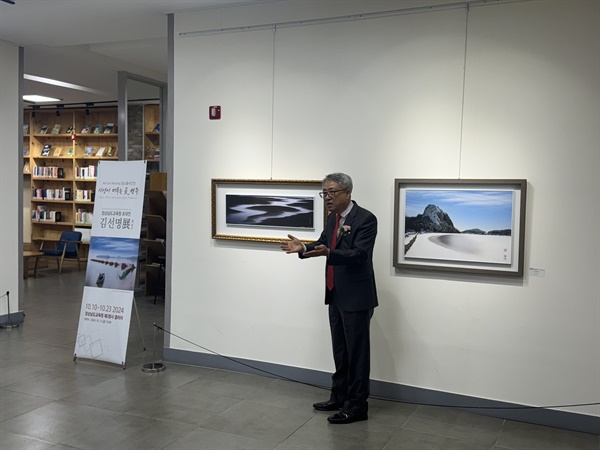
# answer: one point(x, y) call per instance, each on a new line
point(319, 250)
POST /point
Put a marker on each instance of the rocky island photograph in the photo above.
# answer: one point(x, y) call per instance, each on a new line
point(459, 225)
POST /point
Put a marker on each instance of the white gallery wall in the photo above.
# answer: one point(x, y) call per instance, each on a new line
point(10, 173)
point(501, 91)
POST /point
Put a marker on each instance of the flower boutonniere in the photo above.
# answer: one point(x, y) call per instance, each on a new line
point(344, 230)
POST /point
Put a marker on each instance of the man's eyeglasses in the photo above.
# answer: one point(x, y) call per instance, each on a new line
point(331, 194)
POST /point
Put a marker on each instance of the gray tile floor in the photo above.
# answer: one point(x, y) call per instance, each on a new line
point(48, 401)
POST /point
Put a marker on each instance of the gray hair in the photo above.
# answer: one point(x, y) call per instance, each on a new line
point(342, 179)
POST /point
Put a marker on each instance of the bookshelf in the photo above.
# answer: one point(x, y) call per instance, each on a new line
point(61, 175)
point(156, 233)
point(152, 136)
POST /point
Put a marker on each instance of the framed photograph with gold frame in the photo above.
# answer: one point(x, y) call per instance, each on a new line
point(267, 210)
point(469, 226)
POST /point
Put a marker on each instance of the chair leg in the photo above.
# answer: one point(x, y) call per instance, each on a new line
point(62, 257)
point(37, 258)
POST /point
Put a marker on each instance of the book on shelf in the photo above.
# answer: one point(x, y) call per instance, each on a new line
point(57, 151)
point(110, 151)
point(25, 150)
point(41, 214)
point(25, 128)
point(110, 127)
point(26, 167)
point(44, 129)
point(156, 128)
point(85, 129)
point(88, 172)
point(46, 150)
point(88, 151)
point(101, 151)
point(98, 129)
point(60, 172)
point(69, 129)
point(70, 151)
point(55, 129)
point(84, 195)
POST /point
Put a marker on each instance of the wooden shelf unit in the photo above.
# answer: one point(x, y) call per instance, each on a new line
point(152, 137)
point(65, 181)
point(156, 234)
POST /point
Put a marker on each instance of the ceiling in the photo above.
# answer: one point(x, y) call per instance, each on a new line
point(86, 42)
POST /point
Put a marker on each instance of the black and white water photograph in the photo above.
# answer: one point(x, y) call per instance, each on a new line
point(112, 263)
point(270, 211)
point(467, 225)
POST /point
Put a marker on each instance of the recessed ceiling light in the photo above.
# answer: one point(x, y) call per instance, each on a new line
point(39, 99)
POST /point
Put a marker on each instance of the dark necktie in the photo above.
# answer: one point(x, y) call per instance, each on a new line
point(333, 242)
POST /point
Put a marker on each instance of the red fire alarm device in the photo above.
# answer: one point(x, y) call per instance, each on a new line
point(214, 112)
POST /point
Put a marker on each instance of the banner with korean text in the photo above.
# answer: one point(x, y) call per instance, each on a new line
point(112, 264)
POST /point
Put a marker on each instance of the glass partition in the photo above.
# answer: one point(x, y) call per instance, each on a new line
point(140, 115)
point(141, 137)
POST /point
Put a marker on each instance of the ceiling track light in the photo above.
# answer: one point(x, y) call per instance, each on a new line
point(85, 106)
point(10, 2)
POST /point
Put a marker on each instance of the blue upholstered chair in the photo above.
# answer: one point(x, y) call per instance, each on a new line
point(66, 249)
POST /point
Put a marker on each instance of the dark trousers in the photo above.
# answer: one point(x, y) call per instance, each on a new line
point(351, 354)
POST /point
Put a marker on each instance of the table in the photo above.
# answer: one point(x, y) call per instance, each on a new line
point(29, 254)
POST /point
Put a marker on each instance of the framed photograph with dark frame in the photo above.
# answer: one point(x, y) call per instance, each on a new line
point(267, 210)
point(469, 226)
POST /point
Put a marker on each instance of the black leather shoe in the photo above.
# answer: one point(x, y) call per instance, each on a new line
point(347, 417)
point(329, 405)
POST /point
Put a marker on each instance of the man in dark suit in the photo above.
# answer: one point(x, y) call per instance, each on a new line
point(347, 242)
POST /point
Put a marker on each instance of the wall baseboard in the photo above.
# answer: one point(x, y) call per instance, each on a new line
point(397, 392)
point(15, 318)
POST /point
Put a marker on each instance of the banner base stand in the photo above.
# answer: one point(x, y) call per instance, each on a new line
point(8, 325)
point(153, 367)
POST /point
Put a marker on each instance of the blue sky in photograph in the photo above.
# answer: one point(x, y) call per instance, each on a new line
point(114, 247)
point(468, 208)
